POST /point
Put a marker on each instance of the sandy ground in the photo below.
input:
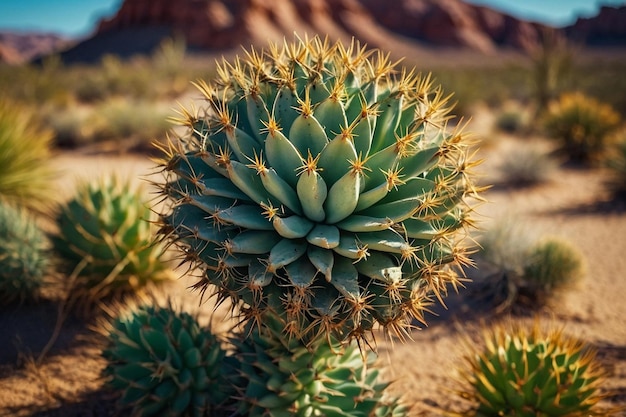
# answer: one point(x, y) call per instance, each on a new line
point(573, 205)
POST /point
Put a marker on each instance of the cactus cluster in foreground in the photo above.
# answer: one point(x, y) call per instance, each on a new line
point(532, 373)
point(163, 363)
point(321, 183)
point(285, 377)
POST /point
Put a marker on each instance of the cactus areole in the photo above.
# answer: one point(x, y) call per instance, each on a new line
point(321, 183)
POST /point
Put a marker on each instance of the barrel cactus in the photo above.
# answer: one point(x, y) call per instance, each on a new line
point(320, 183)
point(164, 363)
point(532, 373)
point(105, 239)
point(285, 377)
point(24, 255)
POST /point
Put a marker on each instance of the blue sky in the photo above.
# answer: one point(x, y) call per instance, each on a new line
point(79, 17)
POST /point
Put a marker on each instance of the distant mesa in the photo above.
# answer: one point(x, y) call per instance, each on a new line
point(224, 24)
point(398, 25)
point(16, 48)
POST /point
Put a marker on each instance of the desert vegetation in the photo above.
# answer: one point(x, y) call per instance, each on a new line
point(305, 274)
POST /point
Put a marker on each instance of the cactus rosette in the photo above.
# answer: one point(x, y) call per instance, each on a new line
point(163, 363)
point(105, 238)
point(319, 183)
point(532, 373)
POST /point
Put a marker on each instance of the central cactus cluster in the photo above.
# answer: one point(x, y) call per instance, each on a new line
point(321, 183)
point(286, 378)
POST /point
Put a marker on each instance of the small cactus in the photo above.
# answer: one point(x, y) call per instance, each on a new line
point(284, 377)
point(531, 374)
point(105, 239)
point(163, 363)
point(24, 257)
point(319, 183)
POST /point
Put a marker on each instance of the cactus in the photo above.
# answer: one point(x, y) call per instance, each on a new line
point(25, 172)
point(284, 377)
point(163, 363)
point(105, 239)
point(582, 125)
point(321, 184)
point(532, 373)
point(24, 258)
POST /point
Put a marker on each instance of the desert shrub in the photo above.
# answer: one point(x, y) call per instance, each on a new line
point(70, 124)
point(24, 255)
point(25, 171)
point(530, 373)
point(526, 165)
point(581, 125)
point(129, 123)
point(528, 270)
point(552, 263)
point(105, 241)
point(510, 121)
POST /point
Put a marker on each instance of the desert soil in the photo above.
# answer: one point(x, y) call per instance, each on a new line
point(574, 205)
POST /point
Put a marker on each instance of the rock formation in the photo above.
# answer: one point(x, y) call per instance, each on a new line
point(219, 24)
point(608, 28)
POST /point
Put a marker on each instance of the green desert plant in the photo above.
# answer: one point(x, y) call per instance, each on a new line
point(284, 377)
point(318, 183)
point(24, 255)
point(524, 268)
point(552, 263)
point(531, 373)
point(582, 126)
point(105, 240)
point(163, 363)
point(25, 171)
point(526, 166)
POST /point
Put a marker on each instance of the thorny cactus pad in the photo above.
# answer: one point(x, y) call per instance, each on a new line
point(321, 183)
